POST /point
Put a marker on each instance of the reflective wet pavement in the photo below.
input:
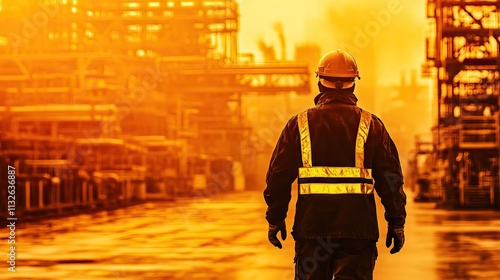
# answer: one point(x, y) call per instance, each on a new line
point(224, 237)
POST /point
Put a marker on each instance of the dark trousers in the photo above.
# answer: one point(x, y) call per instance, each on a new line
point(324, 258)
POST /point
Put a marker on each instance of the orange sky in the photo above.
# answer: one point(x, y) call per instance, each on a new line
point(387, 38)
point(397, 41)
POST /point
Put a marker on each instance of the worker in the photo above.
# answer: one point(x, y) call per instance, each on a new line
point(341, 154)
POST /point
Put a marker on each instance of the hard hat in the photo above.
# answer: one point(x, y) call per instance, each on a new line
point(337, 63)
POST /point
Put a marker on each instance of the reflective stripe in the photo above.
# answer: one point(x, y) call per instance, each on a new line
point(336, 189)
point(364, 128)
point(334, 172)
point(319, 180)
point(305, 140)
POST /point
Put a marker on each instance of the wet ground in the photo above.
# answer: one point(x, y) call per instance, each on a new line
point(225, 237)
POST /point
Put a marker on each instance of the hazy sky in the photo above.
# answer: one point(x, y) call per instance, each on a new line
point(387, 37)
point(392, 30)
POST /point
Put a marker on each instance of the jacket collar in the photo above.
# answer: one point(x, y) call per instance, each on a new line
point(342, 96)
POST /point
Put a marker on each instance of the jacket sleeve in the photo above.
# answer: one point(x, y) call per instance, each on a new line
point(283, 170)
point(389, 180)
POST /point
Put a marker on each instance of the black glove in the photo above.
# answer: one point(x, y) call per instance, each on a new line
point(398, 234)
point(273, 231)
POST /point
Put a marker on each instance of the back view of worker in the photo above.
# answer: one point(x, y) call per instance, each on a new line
point(341, 154)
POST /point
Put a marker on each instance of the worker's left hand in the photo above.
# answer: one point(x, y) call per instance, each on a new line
point(273, 232)
point(396, 233)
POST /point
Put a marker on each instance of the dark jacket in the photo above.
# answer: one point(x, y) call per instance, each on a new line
point(333, 125)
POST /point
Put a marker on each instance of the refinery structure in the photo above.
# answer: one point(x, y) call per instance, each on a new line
point(116, 101)
point(459, 164)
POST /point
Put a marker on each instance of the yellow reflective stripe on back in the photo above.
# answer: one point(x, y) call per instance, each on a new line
point(364, 128)
point(321, 188)
point(305, 139)
point(334, 172)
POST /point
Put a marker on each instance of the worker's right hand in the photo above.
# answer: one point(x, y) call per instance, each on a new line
point(273, 232)
point(396, 233)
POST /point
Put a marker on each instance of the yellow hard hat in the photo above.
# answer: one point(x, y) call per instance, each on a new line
point(337, 63)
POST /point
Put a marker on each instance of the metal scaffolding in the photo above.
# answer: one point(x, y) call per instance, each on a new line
point(109, 75)
point(463, 56)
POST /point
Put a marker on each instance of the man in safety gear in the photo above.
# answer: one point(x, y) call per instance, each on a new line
point(341, 154)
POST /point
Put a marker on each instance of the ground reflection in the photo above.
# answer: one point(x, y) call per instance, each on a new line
point(224, 237)
point(469, 246)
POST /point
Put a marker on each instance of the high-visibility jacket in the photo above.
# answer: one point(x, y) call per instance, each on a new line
point(331, 179)
point(340, 155)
